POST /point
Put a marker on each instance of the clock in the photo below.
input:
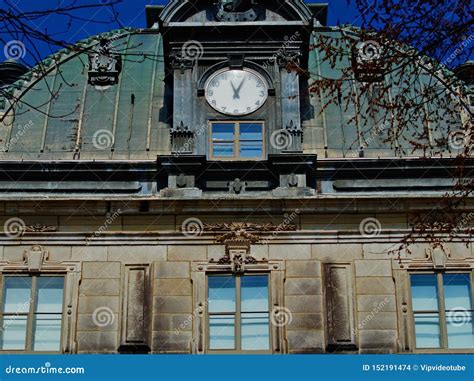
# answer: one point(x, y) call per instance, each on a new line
point(236, 92)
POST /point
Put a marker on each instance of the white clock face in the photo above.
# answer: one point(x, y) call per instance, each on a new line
point(236, 92)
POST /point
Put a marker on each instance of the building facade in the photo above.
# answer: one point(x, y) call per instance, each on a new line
point(177, 189)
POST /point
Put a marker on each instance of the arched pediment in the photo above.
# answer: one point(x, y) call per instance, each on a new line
point(206, 10)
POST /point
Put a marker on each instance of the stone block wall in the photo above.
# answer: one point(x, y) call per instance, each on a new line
point(369, 318)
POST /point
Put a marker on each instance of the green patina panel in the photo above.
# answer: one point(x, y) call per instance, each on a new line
point(135, 96)
point(64, 112)
point(27, 131)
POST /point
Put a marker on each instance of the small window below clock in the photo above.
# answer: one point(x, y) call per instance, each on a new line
point(237, 140)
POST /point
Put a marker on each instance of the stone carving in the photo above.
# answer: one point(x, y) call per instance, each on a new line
point(181, 62)
point(238, 238)
point(182, 138)
point(439, 257)
point(292, 180)
point(237, 259)
point(246, 226)
point(288, 60)
point(39, 228)
point(35, 258)
point(104, 66)
point(236, 11)
point(237, 186)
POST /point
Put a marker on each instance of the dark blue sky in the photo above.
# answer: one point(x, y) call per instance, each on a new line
point(131, 13)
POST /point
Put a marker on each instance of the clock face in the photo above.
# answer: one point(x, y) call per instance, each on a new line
point(236, 92)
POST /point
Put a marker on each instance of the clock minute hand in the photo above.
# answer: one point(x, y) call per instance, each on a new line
point(240, 86)
point(236, 91)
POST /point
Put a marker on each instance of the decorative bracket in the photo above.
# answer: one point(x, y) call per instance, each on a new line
point(238, 240)
point(295, 131)
point(182, 62)
point(35, 258)
point(182, 139)
point(288, 60)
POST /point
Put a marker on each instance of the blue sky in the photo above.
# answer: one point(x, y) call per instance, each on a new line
point(131, 13)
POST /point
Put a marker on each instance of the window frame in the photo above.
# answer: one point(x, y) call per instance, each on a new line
point(443, 329)
point(32, 310)
point(236, 140)
point(238, 316)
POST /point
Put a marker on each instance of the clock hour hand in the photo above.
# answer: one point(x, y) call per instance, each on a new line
point(236, 91)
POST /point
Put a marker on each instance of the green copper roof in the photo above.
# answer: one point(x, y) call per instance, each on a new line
point(62, 117)
point(60, 112)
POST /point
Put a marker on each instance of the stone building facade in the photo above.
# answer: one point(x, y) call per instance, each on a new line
point(182, 193)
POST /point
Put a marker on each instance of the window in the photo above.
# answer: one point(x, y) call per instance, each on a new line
point(443, 311)
point(31, 313)
point(238, 313)
point(237, 140)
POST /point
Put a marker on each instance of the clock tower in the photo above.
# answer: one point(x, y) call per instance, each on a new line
point(237, 98)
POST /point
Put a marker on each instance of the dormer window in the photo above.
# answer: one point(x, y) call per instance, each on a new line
point(237, 140)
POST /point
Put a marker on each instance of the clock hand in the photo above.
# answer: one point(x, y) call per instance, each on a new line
point(240, 86)
point(236, 91)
